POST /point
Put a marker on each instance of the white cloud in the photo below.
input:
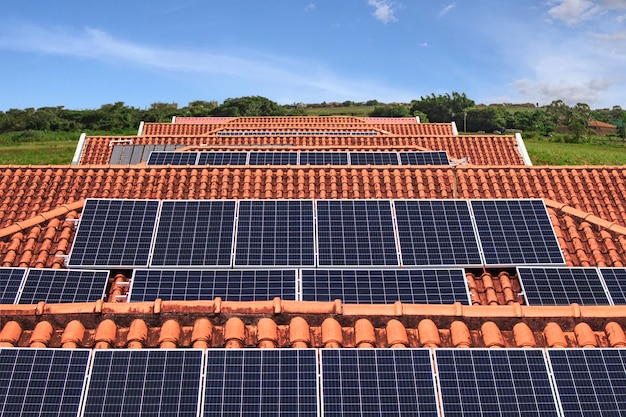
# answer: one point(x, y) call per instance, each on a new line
point(309, 7)
point(384, 10)
point(570, 92)
point(423, 44)
point(446, 9)
point(573, 11)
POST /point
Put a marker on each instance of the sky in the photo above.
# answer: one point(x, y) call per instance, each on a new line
point(84, 54)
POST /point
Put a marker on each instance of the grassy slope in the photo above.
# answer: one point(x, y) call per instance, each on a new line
point(552, 153)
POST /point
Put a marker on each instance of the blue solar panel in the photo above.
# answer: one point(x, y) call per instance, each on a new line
point(231, 285)
point(172, 158)
point(10, 282)
point(261, 383)
point(324, 158)
point(114, 233)
point(503, 382)
point(194, 233)
point(355, 232)
point(415, 286)
point(275, 233)
point(63, 286)
point(590, 382)
point(41, 382)
point(223, 158)
point(436, 232)
point(144, 383)
point(424, 158)
point(378, 382)
point(615, 279)
point(514, 232)
point(273, 158)
point(562, 286)
point(374, 158)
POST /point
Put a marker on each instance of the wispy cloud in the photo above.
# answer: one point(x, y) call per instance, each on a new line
point(309, 7)
point(446, 10)
point(573, 11)
point(384, 10)
point(423, 44)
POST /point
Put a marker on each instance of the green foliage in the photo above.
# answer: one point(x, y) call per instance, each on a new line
point(443, 108)
point(487, 119)
point(390, 111)
point(249, 106)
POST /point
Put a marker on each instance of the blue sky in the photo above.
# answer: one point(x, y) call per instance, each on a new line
point(84, 54)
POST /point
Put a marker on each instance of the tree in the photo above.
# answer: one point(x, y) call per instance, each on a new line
point(390, 111)
point(443, 108)
point(486, 119)
point(248, 106)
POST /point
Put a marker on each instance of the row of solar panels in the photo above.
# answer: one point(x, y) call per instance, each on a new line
point(540, 286)
point(309, 382)
point(309, 233)
point(297, 158)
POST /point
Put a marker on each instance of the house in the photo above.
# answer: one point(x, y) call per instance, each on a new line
point(602, 128)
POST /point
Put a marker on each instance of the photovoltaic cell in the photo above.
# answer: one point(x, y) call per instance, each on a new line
point(386, 286)
point(275, 233)
point(272, 382)
point(114, 233)
point(222, 158)
point(436, 232)
point(590, 382)
point(231, 285)
point(562, 286)
point(378, 382)
point(374, 158)
point(194, 233)
point(615, 280)
point(355, 232)
point(514, 232)
point(503, 382)
point(42, 382)
point(63, 286)
point(172, 158)
point(324, 158)
point(144, 383)
point(273, 158)
point(424, 158)
point(10, 282)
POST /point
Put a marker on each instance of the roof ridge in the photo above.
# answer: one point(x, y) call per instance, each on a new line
point(585, 216)
point(40, 218)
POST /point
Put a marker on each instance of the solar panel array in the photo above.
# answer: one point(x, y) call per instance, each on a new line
point(63, 286)
point(615, 280)
point(10, 283)
point(297, 158)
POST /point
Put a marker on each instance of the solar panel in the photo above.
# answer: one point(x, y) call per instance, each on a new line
point(424, 158)
point(355, 232)
point(144, 383)
point(436, 232)
point(615, 280)
point(194, 233)
point(590, 382)
point(502, 382)
point(514, 232)
point(231, 285)
point(378, 382)
point(386, 286)
point(42, 382)
point(172, 158)
point(277, 382)
point(223, 158)
point(273, 158)
point(63, 286)
point(374, 158)
point(275, 233)
point(324, 158)
point(562, 286)
point(114, 233)
point(10, 282)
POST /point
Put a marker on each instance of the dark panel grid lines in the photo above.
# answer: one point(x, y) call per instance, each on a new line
point(275, 233)
point(172, 158)
point(378, 382)
point(615, 280)
point(562, 286)
point(114, 233)
point(145, 383)
point(436, 232)
point(42, 382)
point(63, 286)
point(590, 382)
point(355, 233)
point(277, 382)
point(424, 158)
point(514, 232)
point(223, 158)
point(374, 158)
point(273, 158)
point(194, 233)
point(386, 286)
point(504, 382)
point(10, 283)
point(323, 158)
point(230, 285)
